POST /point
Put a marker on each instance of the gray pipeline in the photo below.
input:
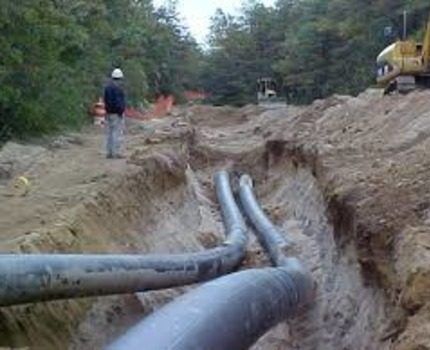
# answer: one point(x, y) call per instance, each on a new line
point(29, 278)
point(268, 235)
point(232, 312)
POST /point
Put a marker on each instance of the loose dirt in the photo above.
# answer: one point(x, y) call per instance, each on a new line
point(347, 178)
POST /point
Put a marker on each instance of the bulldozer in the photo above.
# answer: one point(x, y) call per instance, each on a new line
point(266, 89)
point(404, 65)
point(268, 93)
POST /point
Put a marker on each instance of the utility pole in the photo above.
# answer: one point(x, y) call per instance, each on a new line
point(405, 24)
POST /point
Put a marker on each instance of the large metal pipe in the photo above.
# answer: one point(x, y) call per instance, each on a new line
point(40, 277)
point(234, 311)
point(230, 313)
point(268, 234)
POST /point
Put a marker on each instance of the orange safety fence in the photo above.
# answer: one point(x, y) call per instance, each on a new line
point(192, 95)
point(162, 107)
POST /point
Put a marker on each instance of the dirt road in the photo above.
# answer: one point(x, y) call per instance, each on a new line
point(346, 177)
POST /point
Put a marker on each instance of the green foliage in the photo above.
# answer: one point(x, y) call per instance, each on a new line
point(56, 55)
point(313, 48)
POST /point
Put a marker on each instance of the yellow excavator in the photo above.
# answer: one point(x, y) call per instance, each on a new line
point(405, 65)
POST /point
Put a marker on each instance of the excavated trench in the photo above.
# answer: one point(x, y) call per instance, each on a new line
point(167, 204)
point(350, 312)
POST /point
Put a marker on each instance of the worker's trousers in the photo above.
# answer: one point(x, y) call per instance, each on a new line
point(114, 135)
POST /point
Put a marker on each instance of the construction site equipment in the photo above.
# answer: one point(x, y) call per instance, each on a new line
point(28, 278)
point(266, 89)
point(267, 93)
point(98, 112)
point(404, 65)
point(234, 311)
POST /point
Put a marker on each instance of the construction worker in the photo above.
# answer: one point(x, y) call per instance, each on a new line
point(114, 99)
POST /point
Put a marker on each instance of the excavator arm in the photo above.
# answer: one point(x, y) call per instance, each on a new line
point(426, 46)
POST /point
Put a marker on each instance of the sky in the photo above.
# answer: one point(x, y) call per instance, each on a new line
point(197, 13)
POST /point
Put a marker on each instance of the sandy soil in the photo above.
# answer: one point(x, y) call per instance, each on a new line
point(346, 177)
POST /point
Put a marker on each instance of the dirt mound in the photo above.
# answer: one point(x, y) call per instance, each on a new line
point(222, 116)
point(374, 171)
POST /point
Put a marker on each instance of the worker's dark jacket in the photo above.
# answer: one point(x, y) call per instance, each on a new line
point(114, 98)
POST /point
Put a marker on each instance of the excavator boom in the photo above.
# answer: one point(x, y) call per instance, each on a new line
point(426, 46)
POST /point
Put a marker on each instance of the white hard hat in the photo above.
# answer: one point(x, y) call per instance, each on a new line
point(117, 74)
